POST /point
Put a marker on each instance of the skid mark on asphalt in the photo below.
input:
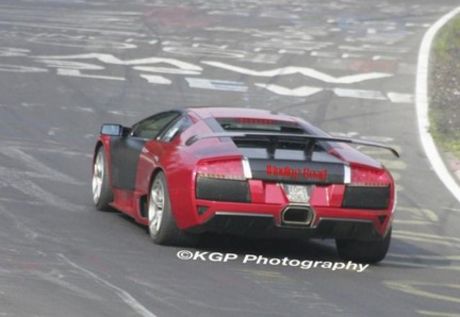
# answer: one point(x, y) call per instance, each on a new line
point(20, 178)
point(435, 262)
point(415, 215)
point(165, 295)
point(57, 278)
point(126, 297)
point(77, 282)
point(451, 242)
point(437, 314)
point(60, 151)
point(294, 293)
point(32, 190)
point(31, 162)
point(26, 228)
point(28, 232)
point(176, 297)
point(421, 289)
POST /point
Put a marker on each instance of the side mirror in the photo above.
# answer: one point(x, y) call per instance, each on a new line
point(112, 129)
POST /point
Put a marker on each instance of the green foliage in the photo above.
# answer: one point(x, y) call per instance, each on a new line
point(448, 41)
point(445, 88)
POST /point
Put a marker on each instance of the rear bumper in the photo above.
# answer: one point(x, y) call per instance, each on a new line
point(265, 220)
point(264, 227)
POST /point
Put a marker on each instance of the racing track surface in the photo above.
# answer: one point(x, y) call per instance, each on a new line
point(66, 66)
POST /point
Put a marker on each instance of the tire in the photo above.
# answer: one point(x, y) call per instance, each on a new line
point(102, 193)
point(162, 225)
point(364, 251)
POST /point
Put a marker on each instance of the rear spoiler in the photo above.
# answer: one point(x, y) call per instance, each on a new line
point(274, 138)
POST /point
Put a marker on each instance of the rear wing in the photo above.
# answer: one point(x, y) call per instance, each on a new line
point(273, 138)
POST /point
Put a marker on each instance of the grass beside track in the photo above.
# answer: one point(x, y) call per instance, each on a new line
point(445, 88)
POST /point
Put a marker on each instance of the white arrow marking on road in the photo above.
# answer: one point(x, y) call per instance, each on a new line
point(154, 79)
point(77, 73)
point(13, 52)
point(110, 59)
point(374, 48)
point(400, 98)
point(70, 64)
point(21, 69)
point(303, 91)
point(359, 94)
point(73, 69)
point(305, 71)
point(213, 84)
point(166, 70)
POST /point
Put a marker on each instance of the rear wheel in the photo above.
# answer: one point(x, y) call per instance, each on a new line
point(102, 194)
point(364, 251)
point(162, 225)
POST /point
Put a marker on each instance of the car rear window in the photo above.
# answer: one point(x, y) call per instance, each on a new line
point(257, 147)
point(260, 125)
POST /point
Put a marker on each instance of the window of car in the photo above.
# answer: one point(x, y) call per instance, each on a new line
point(259, 125)
point(283, 149)
point(151, 127)
point(176, 128)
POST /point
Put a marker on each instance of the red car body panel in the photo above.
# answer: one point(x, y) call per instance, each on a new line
point(179, 163)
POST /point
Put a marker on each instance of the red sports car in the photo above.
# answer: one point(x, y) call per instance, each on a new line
point(245, 171)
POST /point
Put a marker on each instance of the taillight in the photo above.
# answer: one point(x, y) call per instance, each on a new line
point(369, 189)
point(222, 169)
point(223, 180)
point(361, 176)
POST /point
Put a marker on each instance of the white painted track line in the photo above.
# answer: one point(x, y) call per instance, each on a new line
point(421, 104)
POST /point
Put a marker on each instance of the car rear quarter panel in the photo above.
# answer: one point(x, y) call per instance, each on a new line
point(180, 167)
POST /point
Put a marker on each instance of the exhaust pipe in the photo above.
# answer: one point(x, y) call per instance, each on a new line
point(297, 215)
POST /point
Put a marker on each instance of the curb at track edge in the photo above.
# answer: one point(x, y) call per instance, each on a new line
point(422, 105)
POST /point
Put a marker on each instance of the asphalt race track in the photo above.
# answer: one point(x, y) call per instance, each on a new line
point(348, 66)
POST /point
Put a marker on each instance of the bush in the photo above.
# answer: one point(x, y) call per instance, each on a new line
point(445, 88)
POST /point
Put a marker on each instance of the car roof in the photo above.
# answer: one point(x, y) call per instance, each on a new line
point(236, 112)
